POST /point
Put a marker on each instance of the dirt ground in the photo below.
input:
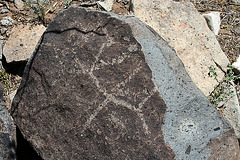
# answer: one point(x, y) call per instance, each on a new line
point(229, 35)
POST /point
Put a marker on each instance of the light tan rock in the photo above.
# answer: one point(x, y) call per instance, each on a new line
point(231, 112)
point(19, 4)
point(180, 24)
point(22, 42)
point(9, 99)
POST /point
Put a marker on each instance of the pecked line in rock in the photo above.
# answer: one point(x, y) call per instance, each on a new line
point(103, 86)
point(87, 93)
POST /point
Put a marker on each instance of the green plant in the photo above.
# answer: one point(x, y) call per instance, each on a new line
point(5, 79)
point(10, 82)
point(222, 91)
point(213, 72)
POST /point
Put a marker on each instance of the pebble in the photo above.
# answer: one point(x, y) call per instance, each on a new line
point(237, 19)
point(1, 4)
point(7, 34)
point(125, 2)
point(3, 30)
point(6, 21)
point(213, 21)
point(19, 4)
point(32, 10)
point(4, 10)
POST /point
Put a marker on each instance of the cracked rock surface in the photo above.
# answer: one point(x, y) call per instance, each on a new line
point(102, 86)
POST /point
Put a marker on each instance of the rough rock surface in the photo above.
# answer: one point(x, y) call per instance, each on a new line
point(232, 111)
point(220, 144)
point(7, 132)
point(180, 24)
point(22, 42)
point(103, 84)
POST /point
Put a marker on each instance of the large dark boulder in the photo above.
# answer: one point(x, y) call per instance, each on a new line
point(102, 86)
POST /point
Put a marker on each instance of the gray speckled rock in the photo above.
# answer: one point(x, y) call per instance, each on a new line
point(103, 84)
point(7, 132)
point(190, 120)
point(185, 29)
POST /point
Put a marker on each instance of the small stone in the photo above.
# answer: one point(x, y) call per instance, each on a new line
point(19, 4)
point(106, 5)
point(118, 1)
point(1, 4)
point(32, 10)
point(6, 21)
point(3, 30)
point(237, 19)
point(213, 21)
point(5, 10)
point(7, 34)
